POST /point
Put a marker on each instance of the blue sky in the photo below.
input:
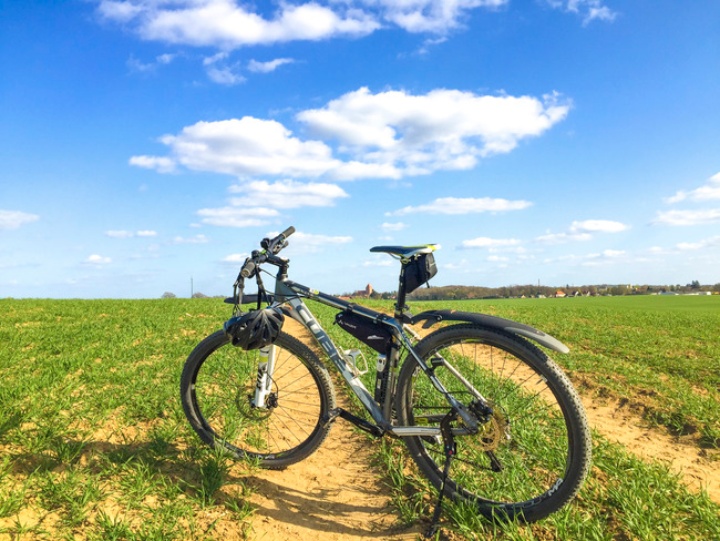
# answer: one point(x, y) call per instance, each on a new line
point(148, 143)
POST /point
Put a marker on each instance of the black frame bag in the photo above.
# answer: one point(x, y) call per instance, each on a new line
point(375, 335)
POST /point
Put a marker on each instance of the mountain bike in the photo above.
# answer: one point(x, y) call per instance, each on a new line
point(486, 415)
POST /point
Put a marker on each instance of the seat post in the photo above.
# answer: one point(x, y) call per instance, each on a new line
point(400, 304)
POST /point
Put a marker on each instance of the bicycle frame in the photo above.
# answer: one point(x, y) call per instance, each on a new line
point(292, 293)
point(554, 456)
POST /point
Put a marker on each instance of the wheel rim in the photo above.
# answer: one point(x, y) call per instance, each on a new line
point(222, 392)
point(526, 435)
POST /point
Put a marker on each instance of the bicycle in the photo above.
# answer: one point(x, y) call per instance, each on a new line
point(485, 414)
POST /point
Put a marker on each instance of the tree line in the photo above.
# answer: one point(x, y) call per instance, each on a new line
point(454, 292)
point(529, 290)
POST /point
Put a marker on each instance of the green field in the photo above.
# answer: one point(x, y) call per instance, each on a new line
point(94, 444)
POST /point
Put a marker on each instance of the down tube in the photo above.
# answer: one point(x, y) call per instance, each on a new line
point(338, 360)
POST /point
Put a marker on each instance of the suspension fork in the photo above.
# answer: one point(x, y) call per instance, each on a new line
point(266, 368)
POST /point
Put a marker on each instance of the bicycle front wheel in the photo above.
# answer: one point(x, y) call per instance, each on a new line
point(532, 451)
point(217, 390)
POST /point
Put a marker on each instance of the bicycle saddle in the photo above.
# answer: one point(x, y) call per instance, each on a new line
point(406, 252)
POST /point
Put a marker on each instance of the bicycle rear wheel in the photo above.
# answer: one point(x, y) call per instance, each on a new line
point(217, 389)
point(532, 452)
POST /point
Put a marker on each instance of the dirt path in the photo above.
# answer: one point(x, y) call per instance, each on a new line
point(698, 468)
point(335, 495)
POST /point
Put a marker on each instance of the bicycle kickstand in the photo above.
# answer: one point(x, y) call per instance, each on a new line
point(450, 449)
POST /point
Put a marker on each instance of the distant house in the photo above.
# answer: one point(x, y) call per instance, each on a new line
point(560, 294)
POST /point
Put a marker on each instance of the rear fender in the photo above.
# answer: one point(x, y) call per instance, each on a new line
point(432, 317)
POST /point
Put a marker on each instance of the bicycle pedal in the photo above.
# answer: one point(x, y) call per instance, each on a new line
point(331, 416)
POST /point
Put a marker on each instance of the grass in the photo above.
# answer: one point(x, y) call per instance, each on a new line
point(661, 355)
point(92, 436)
point(94, 443)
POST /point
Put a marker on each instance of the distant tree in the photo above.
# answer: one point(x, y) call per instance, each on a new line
point(694, 284)
point(169, 295)
point(199, 295)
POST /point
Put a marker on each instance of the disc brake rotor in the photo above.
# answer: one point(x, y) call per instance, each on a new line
point(495, 432)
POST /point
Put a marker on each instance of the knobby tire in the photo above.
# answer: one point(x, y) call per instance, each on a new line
point(531, 453)
point(217, 387)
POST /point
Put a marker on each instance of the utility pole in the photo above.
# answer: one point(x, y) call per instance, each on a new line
point(191, 288)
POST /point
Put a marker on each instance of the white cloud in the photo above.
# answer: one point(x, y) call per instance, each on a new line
point(286, 194)
point(559, 238)
point(589, 10)
point(224, 75)
point(161, 60)
point(221, 72)
point(708, 192)
point(119, 11)
point(386, 135)
point(687, 217)
point(237, 216)
point(490, 243)
point(434, 16)
point(98, 260)
point(197, 239)
point(240, 147)
point(602, 258)
point(444, 129)
point(309, 243)
point(393, 227)
point(160, 164)
point(235, 259)
point(13, 219)
point(597, 226)
point(260, 200)
point(583, 231)
point(589, 260)
point(463, 205)
point(700, 245)
point(228, 25)
point(121, 234)
point(270, 66)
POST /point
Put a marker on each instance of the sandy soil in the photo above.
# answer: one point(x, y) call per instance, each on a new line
point(336, 495)
point(698, 468)
point(333, 495)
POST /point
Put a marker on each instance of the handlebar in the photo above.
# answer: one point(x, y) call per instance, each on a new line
point(278, 243)
point(271, 247)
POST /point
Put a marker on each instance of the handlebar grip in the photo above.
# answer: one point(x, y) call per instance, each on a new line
point(289, 231)
point(248, 269)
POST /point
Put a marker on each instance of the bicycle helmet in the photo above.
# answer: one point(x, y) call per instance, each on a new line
point(256, 329)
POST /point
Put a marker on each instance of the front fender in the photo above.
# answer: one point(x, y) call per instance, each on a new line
point(435, 316)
